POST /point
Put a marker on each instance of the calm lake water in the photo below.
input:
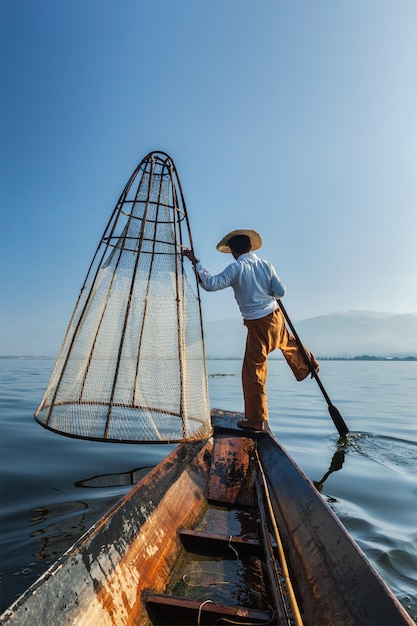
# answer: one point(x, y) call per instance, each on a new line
point(48, 499)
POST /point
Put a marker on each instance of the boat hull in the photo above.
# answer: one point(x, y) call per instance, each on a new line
point(119, 572)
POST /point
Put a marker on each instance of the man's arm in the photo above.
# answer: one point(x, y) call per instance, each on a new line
point(208, 281)
point(278, 287)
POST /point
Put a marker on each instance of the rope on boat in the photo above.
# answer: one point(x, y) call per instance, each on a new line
point(227, 620)
point(200, 608)
point(283, 561)
point(199, 584)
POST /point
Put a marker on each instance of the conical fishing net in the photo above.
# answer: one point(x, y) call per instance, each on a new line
point(132, 366)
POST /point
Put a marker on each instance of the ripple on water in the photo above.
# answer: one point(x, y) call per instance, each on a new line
point(399, 455)
point(392, 556)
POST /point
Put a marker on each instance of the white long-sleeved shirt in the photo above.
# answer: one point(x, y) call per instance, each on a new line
point(255, 283)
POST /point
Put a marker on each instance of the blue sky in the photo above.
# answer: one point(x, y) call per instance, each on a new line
point(295, 118)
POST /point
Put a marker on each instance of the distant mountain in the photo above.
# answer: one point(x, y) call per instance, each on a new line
point(344, 334)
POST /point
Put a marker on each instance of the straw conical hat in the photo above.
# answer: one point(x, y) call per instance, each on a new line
point(254, 237)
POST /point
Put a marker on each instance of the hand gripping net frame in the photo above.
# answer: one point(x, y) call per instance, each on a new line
point(132, 366)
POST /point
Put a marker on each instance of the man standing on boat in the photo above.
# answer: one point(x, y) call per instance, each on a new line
point(257, 287)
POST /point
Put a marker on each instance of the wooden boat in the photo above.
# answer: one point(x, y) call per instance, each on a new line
point(224, 530)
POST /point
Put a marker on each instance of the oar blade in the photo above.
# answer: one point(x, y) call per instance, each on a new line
point(338, 420)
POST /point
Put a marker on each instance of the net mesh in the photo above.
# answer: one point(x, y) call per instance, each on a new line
point(132, 365)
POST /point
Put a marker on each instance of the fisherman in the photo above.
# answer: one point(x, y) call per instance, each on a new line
point(257, 288)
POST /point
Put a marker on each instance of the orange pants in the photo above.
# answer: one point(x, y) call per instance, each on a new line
point(264, 336)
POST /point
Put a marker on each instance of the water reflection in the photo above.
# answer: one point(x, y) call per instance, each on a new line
point(57, 526)
point(335, 464)
point(121, 479)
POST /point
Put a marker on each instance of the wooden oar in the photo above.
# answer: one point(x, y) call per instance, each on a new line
point(338, 420)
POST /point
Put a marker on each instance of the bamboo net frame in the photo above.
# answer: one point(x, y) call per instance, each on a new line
point(132, 366)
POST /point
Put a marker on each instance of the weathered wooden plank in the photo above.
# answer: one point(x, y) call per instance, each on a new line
point(207, 543)
point(229, 481)
point(168, 610)
point(333, 578)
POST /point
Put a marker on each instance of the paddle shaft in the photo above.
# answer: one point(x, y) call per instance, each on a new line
point(334, 413)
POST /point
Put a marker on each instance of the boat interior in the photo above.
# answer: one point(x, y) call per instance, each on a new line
point(222, 573)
